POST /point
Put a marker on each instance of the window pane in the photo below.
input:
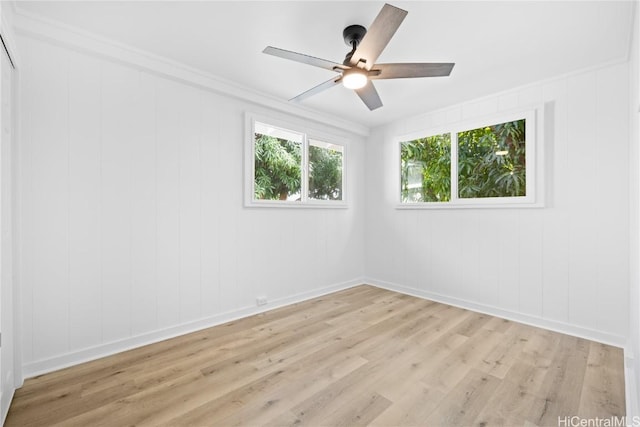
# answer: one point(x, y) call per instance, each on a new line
point(277, 163)
point(325, 171)
point(491, 161)
point(426, 169)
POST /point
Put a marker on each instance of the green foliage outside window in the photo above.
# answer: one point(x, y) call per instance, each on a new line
point(278, 170)
point(325, 173)
point(426, 169)
point(277, 167)
point(491, 163)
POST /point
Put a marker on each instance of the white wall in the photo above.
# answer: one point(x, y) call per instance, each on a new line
point(633, 346)
point(6, 226)
point(566, 266)
point(133, 226)
point(10, 368)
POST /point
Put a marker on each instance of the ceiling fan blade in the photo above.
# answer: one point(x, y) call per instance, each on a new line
point(369, 96)
point(409, 70)
point(317, 89)
point(305, 59)
point(378, 35)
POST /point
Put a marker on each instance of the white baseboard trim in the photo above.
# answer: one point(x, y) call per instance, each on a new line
point(7, 398)
point(55, 363)
point(564, 328)
point(84, 355)
point(631, 389)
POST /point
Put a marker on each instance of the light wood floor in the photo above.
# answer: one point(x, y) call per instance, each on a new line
point(363, 356)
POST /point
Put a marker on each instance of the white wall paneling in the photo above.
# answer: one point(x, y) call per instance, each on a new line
point(564, 266)
point(84, 209)
point(45, 224)
point(632, 350)
point(144, 208)
point(132, 218)
point(83, 41)
point(10, 367)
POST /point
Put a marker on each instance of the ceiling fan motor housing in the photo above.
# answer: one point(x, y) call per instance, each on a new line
point(353, 34)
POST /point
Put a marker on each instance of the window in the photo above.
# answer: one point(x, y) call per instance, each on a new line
point(325, 170)
point(492, 161)
point(489, 163)
point(277, 163)
point(290, 167)
point(426, 169)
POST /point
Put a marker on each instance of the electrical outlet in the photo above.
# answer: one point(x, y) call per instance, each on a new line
point(261, 301)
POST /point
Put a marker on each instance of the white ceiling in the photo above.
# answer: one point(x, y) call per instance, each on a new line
point(496, 45)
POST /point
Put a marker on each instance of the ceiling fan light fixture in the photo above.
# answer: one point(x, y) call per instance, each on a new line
point(354, 79)
point(359, 65)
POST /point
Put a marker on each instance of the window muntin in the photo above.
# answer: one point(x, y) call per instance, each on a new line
point(492, 164)
point(291, 167)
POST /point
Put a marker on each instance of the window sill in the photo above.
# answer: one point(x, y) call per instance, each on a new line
point(296, 205)
point(445, 205)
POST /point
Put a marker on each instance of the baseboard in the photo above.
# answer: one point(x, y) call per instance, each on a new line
point(73, 358)
point(564, 328)
point(7, 397)
point(631, 389)
point(51, 364)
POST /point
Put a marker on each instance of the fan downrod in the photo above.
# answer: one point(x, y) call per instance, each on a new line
point(352, 35)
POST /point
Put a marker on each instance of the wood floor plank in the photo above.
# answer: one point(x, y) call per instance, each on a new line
point(499, 325)
point(562, 387)
point(449, 317)
point(457, 365)
point(502, 357)
point(513, 401)
point(298, 387)
point(362, 356)
point(465, 401)
point(360, 411)
point(603, 387)
point(313, 410)
point(472, 324)
point(417, 365)
point(413, 408)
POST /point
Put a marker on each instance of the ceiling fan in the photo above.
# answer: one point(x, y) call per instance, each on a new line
point(359, 67)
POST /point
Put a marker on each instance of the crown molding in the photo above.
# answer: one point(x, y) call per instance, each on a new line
point(44, 29)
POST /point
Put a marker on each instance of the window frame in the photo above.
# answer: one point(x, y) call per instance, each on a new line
point(533, 152)
point(308, 133)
